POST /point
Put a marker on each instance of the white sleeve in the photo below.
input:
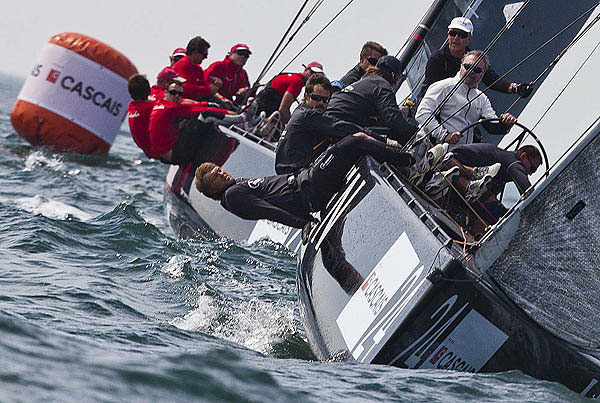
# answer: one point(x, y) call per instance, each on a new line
point(487, 112)
point(434, 95)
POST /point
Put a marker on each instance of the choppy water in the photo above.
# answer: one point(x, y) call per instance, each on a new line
point(100, 302)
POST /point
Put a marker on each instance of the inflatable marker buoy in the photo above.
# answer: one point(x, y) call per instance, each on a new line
point(75, 98)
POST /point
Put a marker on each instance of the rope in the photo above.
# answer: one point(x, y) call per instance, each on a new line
point(264, 70)
point(318, 33)
point(310, 14)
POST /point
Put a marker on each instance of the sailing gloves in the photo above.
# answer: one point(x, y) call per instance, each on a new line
point(524, 90)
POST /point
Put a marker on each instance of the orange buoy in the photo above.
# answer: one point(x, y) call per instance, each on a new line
point(75, 98)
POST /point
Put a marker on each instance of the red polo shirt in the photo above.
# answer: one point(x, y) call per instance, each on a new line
point(156, 93)
point(164, 122)
point(138, 114)
point(233, 76)
point(195, 85)
point(292, 82)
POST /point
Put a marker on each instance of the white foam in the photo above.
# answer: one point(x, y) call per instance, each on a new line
point(174, 267)
point(38, 159)
point(255, 324)
point(51, 208)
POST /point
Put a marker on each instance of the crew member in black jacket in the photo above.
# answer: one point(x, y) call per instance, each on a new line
point(369, 54)
point(445, 62)
point(309, 132)
point(289, 199)
point(371, 101)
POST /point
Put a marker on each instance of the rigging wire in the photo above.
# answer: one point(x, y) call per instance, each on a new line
point(560, 55)
point(264, 70)
point(566, 85)
point(317, 35)
point(310, 14)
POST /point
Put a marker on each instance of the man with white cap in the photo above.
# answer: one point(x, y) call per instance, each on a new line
point(231, 72)
point(446, 61)
point(283, 89)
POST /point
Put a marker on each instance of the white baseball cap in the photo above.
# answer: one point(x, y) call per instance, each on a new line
point(462, 23)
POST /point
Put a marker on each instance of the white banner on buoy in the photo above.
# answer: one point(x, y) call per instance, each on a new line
point(78, 89)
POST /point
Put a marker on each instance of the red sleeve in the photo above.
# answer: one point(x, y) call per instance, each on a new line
point(214, 70)
point(288, 82)
point(191, 109)
point(195, 85)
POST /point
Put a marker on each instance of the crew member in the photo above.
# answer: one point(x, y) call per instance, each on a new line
point(176, 56)
point(309, 132)
point(188, 68)
point(371, 101)
point(195, 142)
point(231, 72)
point(445, 62)
point(289, 199)
point(283, 89)
point(162, 79)
point(466, 105)
point(369, 54)
point(138, 113)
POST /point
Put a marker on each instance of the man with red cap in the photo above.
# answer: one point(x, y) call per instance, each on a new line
point(158, 90)
point(176, 56)
point(188, 67)
point(283, 89)
point(231, 72)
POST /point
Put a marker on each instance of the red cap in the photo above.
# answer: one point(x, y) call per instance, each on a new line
point(242, 46)
point(316, 67)
point(168, 74)
point(178, 52)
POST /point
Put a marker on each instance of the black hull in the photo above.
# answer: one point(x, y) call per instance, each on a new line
point(382, 281)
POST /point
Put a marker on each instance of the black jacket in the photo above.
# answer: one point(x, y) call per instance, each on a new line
point(442, 64)
point(371, 102)
point(353, 75)
point(308, 134)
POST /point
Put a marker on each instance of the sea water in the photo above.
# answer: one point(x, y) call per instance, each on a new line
point(100, 301)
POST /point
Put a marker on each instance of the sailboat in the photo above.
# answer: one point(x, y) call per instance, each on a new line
point(387, 278)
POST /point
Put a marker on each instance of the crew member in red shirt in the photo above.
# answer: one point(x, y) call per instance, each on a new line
point(282, 91)
point(231, 72)
point(196, 141)
point(157, 91)
point(176, 56)
point(188, 67)
point(138, 113)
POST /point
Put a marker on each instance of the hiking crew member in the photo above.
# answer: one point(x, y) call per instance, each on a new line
point(138, 113)
point(162, 79)
point(231, 72)
point(371, 101)
point(179, 137)
point(309, 132)
point(369, 54)
point(289, 199)
point(283, 89)
point(445, 62)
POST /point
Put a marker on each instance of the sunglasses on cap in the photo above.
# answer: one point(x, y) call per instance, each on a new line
point(243, 52)
point(476, 69)
point(372, 60)
point(176, 93)
point(317, 97)
point(461, 34)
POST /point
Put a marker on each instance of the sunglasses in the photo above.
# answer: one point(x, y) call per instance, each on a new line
point(177, 58)
point(244, 53)
point(372, 60)
point(533, 166)
point(176, 93)
point(461, 34)
point(317, 97)
point(476, 69)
